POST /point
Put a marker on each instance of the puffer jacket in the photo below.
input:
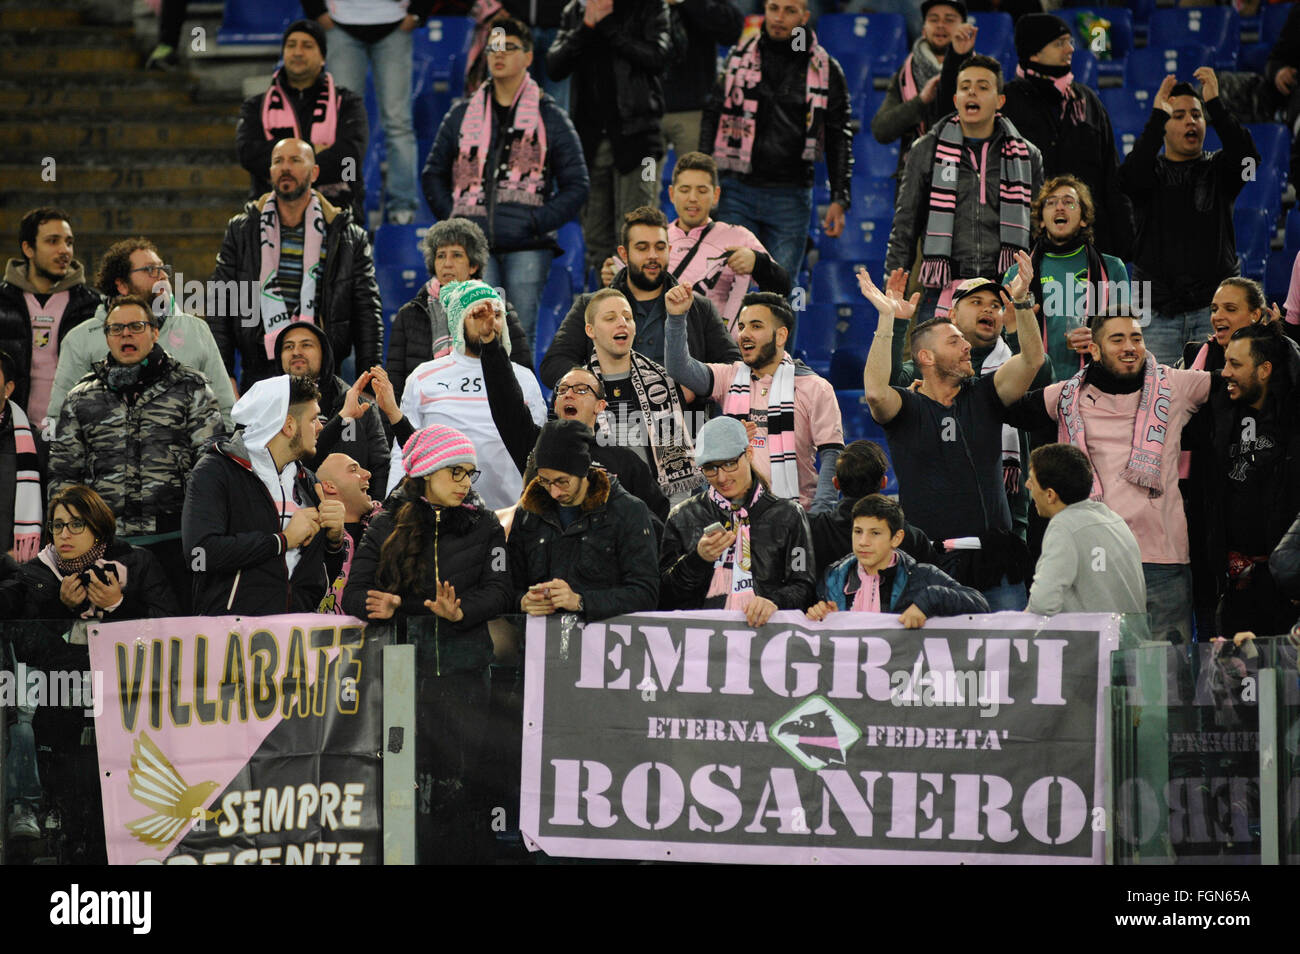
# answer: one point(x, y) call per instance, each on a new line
point(629, 47)
point(16, 323)
point(410, 340)
point(349, 308)
point(511, 226)
point(706, 335)
point(781, 120)
point(1085, 150)
point(607, 555)
point(908, 582)
point(781, 552)
point(147, 594)
point(464, 546)
point(232, 526)
point(138, 454)
point(365, 441)
point(976, 230)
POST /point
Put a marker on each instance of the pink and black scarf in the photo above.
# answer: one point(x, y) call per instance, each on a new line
point(523, 180)
point(782, 459)
point(1150, 427)
point(279, 121)
point(733, 571)
point(28, 518)
point(1015, 192)
point(733, 146)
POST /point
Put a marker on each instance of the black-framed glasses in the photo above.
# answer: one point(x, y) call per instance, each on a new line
point(154, 270)
point(728, 466)
point(72, 526)
point(459, 473)
point(580, 390)
point(564, 483)
point(135, 327)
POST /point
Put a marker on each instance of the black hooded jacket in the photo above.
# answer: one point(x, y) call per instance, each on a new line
point(364, 440)
point(232, 526)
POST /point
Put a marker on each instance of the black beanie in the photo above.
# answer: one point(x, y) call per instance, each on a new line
point(565, 445)
point(1034, 31)
point(311, 28)
point(958, 5)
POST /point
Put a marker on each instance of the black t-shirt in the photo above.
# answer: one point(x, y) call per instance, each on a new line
point(624, 416)
point(949, 461)
point(1252, 454)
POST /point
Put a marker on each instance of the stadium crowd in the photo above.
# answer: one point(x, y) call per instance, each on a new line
point(1084, 406)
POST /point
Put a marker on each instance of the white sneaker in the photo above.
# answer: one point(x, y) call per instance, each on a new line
point(22, 823)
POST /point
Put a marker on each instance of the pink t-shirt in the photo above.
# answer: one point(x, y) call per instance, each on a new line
point(816, 421)
point(1158, 522)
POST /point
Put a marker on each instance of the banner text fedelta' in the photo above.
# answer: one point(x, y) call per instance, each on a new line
point(249, 680)
point(858, 665)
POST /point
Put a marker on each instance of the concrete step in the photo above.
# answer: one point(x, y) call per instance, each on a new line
point(132, 137)
point(80, 179)
point(16, 63)
point(135, 219)
point(43, 18)
point(104, 97)
point(74, 37)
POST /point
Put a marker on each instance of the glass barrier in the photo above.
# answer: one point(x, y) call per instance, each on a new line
point(1204, 742)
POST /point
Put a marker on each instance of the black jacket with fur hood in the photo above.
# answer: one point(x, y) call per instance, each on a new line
point(608, 554)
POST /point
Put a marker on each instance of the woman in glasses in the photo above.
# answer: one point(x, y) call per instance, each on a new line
point(84, 573)
point(736, 545)
point(436, 551)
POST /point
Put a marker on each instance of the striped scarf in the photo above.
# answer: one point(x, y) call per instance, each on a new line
point(733, 571)
point(1146, 455)
point(1015, 191)
point(521, 181)
point(273, 311)
point(659, 402)
point(733, 145)
point(780, 423)
point(28, 519)
point(1071, 99)
point(279, 121)
point(918, 69)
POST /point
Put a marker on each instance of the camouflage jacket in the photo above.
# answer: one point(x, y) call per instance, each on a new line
point(137, 455)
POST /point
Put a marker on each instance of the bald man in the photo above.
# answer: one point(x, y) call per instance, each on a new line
point(341, 478)
point(318, 268)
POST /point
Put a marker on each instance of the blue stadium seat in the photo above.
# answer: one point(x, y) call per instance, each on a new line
point(556, 300)
point(1277, 275)
point(573, 257)
point(1253, 228)
point(835, 282)
point(863, 240)
point(866, 105)
point(881, 36)
point(439, 50)
point(1121, 35)
point(397, 286)
point(858, 66)
point(1292, 243)
point(873, 159)
point(1273, 144)
point(1147, 68)
point(997, 39)
point(1263, 193)
point(247, 22)
point(1218, 28)
point(873, 198)
point(846, 366)
point(816, 334)
point(1129, 111)
point(1272, 19)
point(859, 425)
point(398, 246)
point(1142, 10)
point(1085, 67)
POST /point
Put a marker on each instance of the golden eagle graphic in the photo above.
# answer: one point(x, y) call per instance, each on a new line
point(154, 783)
